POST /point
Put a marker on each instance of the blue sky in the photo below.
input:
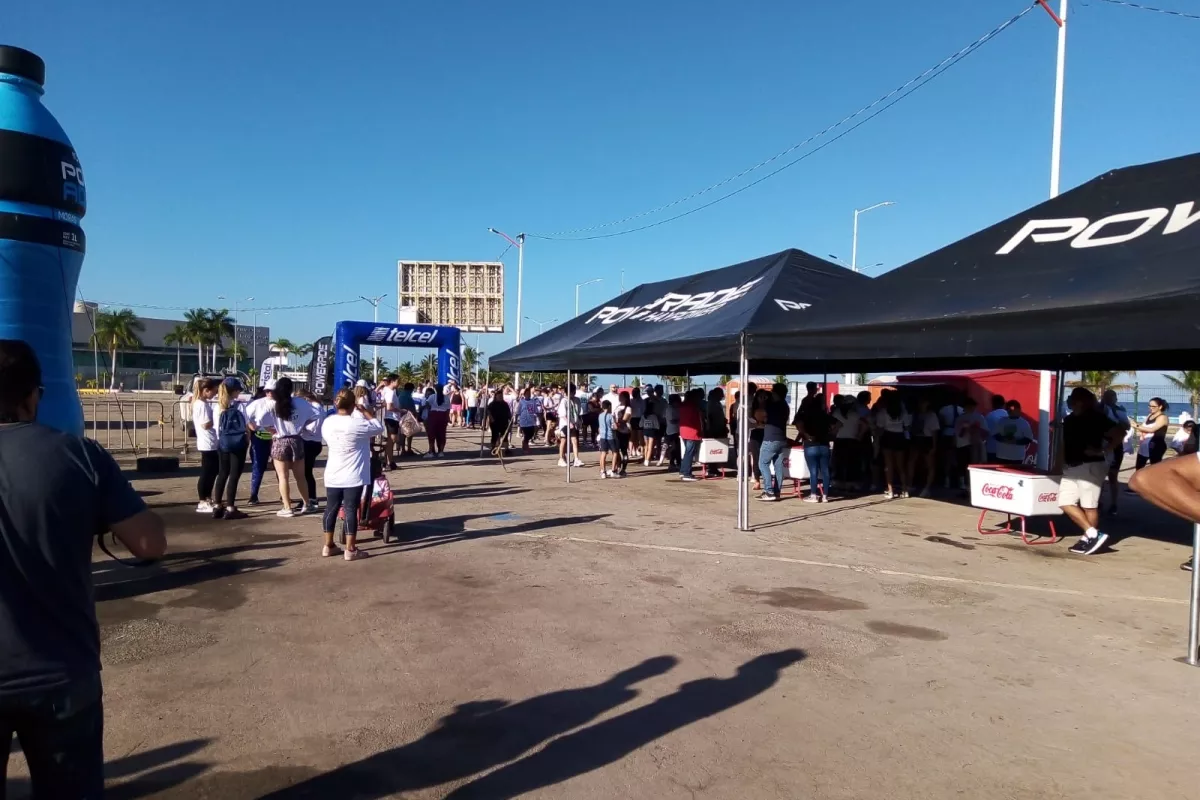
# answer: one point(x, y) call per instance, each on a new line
point(294, 151)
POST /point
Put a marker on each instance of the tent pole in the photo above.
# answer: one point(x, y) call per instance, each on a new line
point(1194, 615)
point(1057, 440)
point(564, 425)
point(743, 439)
point(1043, 429)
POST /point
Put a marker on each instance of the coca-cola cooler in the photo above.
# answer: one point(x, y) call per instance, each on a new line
point(1022, 493)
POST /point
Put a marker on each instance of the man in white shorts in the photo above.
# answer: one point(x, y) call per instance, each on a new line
point(1172, 485)
point(1088, 436)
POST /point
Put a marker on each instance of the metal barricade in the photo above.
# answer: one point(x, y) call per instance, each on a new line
point(138, 426)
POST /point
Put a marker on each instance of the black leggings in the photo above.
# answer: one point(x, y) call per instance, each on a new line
point(1158, 449)
point(230, 466)
point(528, 435)
point(208, 474)
point(311, 451)
point(498, 430)
point(623, 449)
point(348, 500)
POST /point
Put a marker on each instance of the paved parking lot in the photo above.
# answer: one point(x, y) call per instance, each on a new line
point(618, 639)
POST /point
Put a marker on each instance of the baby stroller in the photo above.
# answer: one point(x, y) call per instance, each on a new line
point(377, 512)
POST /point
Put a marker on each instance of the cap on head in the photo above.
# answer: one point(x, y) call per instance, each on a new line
point(361, 382)
point(269, 386)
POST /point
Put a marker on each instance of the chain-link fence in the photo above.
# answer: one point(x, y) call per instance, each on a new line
point(1136, 397)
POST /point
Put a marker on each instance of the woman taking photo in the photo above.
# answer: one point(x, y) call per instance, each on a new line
point(347, 469)
point(206, 441)
point(436, 419)
point(291, 416)
point(232, 443)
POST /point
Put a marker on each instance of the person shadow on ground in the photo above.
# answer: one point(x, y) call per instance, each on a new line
point(477, 736)
point(611, 740)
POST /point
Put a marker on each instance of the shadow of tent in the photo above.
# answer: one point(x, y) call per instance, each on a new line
point(431, 494)
point(482, 735)
point(413, 535)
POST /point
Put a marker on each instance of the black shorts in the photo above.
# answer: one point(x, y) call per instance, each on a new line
point(635, 423)
point(608, 446)
point(922, 444)
point(894, 442)
point(393, 426)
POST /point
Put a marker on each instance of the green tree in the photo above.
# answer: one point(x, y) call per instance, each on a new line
point(366, 370)
point(220, 328)
point(1100, 381)
point(78, 379)
point(284, 346)
point(178, 337)
point(724, 379)
point(428, 370)
point(781, 379)
point(116, 330)
point(143, 376)
point(470, 362)
point(407, 373)
point(195, 323)
point(1190, 383)
point(861, 378)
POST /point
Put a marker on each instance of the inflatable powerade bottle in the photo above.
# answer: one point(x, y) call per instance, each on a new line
point(42, 199)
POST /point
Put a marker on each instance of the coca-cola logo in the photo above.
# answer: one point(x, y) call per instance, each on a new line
point(1048, 497)
point(998, 492)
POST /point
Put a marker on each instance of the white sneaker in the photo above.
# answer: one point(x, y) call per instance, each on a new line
point(285, 512)
point(812, 498)
point(562, 462)
point(330, 550)
point(299, 512)
point(609, 473)
point(204, 508)
point(603, 475)
point(577, 463)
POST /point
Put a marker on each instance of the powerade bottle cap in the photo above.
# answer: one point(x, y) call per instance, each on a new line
point(23, 64)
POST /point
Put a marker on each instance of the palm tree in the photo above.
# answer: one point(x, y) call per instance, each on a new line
point(1190, 383)
point(470, 361)
point(178, 336)
point(407, 373)
point(114, 330)
point(195, 323)
point(724, 379)
point(428, 371)
point(306, 350)
point(861, 378)
point(220, 327)
point(1100, 381)
point(284, 346)
point(781, 379)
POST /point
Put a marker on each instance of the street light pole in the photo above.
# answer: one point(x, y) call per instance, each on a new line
point(1059, 75)
point(854, 241)
point(541, 325)
point(578, 286)
point(374, 301)
point(518, 243)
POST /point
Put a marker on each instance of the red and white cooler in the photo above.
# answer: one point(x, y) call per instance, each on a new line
point(1016, 492)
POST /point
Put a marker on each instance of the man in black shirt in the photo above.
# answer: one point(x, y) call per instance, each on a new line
point(57, 492)
point(1088, 436)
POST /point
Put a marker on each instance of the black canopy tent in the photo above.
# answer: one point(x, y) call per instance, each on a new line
point(693, 324)
point(1106, 275)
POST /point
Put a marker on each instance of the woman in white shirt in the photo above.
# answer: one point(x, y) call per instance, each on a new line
point(206, 442)
point(291, 415)
point(348, 434)
point(892, 422)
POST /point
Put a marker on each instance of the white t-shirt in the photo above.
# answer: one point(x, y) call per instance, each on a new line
point(259, 411)
point(613, 398)
point(348, 455)
point(886, 422)
point(203, 414)
point(926, 424)
point(389, 403)
point(470, 398)
point(848, 422)
point(563, 409)
point(434, 405)
point(1016, 428)
point(313, 434)
point(970, 428)
point(302, 415)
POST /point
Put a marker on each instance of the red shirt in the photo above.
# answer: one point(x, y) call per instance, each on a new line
point(689, 422)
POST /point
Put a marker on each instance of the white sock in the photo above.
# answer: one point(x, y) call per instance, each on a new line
point(1091, 533)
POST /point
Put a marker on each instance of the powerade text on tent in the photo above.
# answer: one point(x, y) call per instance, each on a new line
point(42, 199)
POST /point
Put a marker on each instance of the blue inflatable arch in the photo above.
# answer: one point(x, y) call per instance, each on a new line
point(349, 336)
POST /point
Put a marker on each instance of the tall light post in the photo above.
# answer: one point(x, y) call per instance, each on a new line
point(235, 325)
point(374, 301)
point(1059, 75)
point(518, 243)
point(578, 286)
point(854, 241)
point(541, 325)
point(254, 338)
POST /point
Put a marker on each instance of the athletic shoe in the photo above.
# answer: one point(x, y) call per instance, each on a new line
point(812, 498)
point(313, 505)
point(330, 550)
point(824, 498)
point(441, 455)
point(299, 512)
point(1186, 566)
point(609, 473)
point(233, 513)
point(604, 475)
point(427, 455)
point(904, 495)
point(888, 495)
point(689, 478)
point(285, 512)
point(1086, 546)
point(562, 462)
point(204, 508)
point(355, 554)
point(218, 512)
point(577, 463)
point(767, 497)
point(253, 501)
point(926, 494)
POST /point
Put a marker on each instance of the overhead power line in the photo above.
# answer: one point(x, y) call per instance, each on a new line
point(1141, 7)
point(189, 308)
point(867, 113)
